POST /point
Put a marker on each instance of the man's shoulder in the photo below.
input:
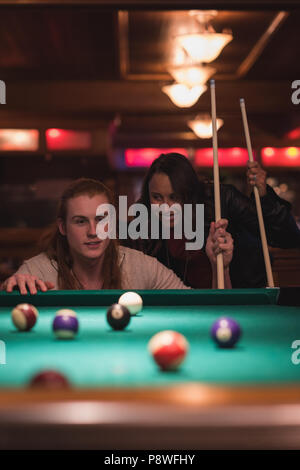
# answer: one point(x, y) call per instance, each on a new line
point(40, 260)
point(130, 254)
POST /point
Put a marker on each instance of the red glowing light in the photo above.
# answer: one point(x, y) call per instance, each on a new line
point(52, 133)
point(143, 157)
point(268, 152)
point(294, 134)
point(226, 156)
point(285, 156)
point(62, 139)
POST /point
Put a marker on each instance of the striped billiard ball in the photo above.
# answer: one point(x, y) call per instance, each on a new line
point(168, 349)
point(65, 324)
point(24, 316)
point(226, 332)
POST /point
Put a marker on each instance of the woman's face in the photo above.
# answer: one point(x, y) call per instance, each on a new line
point(80, 226)
point(161, 192)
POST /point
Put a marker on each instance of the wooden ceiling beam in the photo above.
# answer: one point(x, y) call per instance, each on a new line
point(164, 4)
point(142, 97)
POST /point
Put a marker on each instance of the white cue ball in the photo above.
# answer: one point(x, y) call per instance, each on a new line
point(132, 301)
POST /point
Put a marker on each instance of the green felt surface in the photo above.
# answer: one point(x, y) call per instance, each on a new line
point(102, 357)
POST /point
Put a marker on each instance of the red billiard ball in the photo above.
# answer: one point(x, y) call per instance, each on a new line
point(24, 316)
point(49, 379)
point(168, 349)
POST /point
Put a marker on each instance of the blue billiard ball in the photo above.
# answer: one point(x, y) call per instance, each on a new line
point(226, 332)
point(65, 324)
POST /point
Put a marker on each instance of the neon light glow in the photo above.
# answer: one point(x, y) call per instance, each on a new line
point(144, 157)
point(231, 157)
point(285, 156)
point(292, 152)
point(294, 134)
point(269, 152)
point(62, 139)
point(19, 140)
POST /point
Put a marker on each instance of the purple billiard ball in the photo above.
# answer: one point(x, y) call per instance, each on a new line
point(65, 324)
point(226, 332)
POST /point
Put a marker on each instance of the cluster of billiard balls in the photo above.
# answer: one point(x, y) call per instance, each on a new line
point(118, 315)
point(65, 324)
point(168, 348)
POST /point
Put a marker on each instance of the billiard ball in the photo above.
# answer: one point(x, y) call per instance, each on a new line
point(65, 324)
point(66, 311)
point(132, 301)
point(49, 379)
point(118, 316)
point(226, 332)
point(168, 349)
point(24, 316)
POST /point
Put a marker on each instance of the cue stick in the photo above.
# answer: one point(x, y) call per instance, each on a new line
point(220, 266)
point(257, 200)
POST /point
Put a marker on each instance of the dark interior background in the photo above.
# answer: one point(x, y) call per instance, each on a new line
point(99, 66)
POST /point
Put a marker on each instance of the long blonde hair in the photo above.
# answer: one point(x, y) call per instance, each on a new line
point(56, 245)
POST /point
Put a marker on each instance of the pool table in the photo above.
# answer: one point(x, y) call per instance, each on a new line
point(244, 397)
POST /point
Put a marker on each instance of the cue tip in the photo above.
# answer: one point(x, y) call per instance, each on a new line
point(242, 101)
point(212, 82)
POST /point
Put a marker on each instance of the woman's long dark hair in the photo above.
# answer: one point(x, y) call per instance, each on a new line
point(183, 177)
point(57, 248)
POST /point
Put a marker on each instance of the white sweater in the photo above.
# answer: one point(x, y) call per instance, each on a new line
point(138, 271)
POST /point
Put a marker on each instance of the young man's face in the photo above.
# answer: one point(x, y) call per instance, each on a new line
point(80, 227)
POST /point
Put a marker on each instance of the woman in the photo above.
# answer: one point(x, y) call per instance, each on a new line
point(172, 179)
point(75, 258)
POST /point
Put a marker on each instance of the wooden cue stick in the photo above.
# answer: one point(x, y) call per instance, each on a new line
point(257, 200)
point(220, 266)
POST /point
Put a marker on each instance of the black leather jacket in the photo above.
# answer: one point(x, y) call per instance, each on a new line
point(247, 268)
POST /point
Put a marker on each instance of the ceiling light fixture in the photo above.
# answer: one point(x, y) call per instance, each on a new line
point(183, 96)
point(207, 44)
point(191, 74)
point(202, 126)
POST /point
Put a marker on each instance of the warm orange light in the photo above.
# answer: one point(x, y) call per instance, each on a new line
point(292, 152)
point(269, 152)
point(19, 139)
